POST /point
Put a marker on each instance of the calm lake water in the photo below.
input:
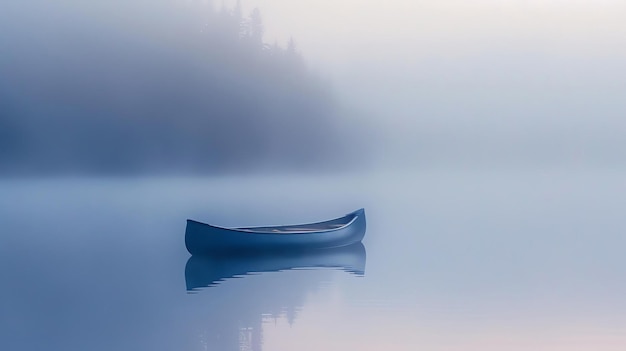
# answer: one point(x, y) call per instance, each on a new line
point(452, 260)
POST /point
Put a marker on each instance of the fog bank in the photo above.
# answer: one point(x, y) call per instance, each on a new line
point(165, 86)
point(481, 82)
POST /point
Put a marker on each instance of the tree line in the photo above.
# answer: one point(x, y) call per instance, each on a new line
point(204, 94)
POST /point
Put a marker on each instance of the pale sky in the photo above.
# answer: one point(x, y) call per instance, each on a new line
point(332, 32)
point(493, 72)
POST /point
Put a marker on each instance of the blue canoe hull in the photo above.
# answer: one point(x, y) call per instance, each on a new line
point(201, 238)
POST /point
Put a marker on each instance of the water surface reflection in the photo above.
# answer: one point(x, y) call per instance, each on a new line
point(208, 271)
point(269, 287)
point(455, 261)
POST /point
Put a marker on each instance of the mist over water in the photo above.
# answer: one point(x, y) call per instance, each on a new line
point(164, 87)
point(479, 260)
point(484, 140)
point(483, 83)
point(197, 87)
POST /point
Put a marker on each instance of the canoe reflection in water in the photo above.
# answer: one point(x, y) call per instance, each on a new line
point(240, 292)
point(207, 271)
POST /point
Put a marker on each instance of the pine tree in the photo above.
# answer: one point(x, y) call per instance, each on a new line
point(255, 28)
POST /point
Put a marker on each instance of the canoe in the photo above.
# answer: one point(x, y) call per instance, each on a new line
point(202, 238)
point(211, 271)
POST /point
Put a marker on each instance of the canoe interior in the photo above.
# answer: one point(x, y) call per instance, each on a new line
point(303, 228)
point(293, 229)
